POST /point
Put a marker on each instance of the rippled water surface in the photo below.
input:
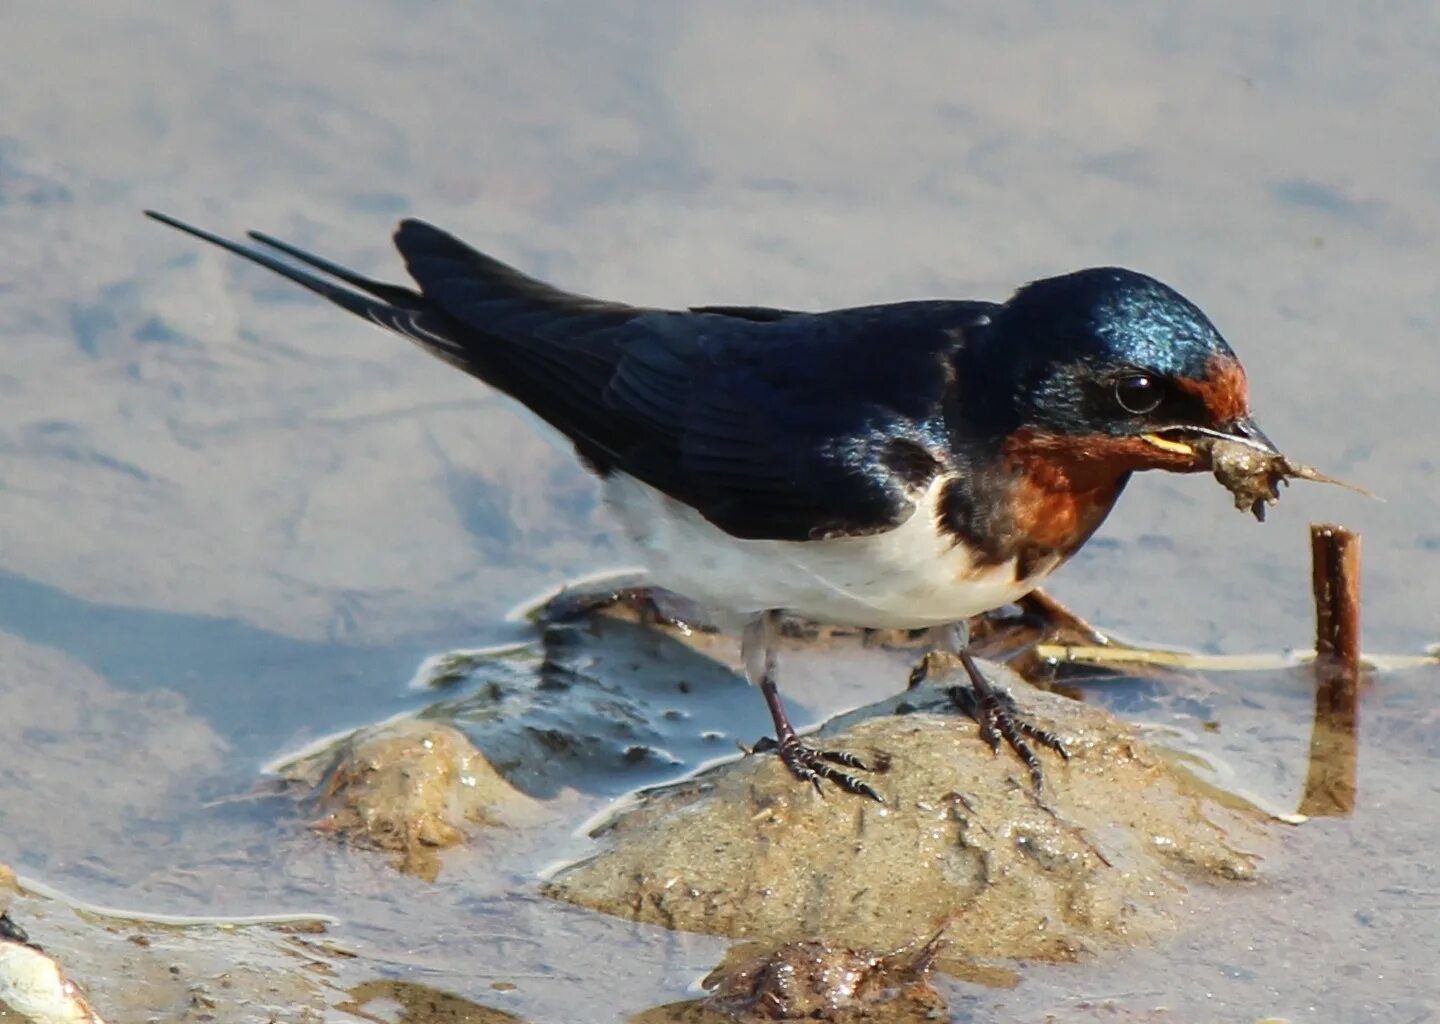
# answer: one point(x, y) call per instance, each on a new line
point(233, 520)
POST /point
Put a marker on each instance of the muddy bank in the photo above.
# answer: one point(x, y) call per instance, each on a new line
point(87, 966)
point(963, 848)
point(75, 964)
point(516, 737)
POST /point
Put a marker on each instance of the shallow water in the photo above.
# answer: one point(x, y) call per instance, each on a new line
point(234, 521)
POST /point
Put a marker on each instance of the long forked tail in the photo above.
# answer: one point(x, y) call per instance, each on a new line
point(391, 306)
point(552, 350)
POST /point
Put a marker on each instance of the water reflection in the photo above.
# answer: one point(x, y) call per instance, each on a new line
point(1333, 767)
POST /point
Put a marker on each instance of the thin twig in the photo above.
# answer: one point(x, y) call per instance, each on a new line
point(1335, 574)
point(1257, 662)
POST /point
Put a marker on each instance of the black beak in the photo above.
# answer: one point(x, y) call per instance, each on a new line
point(1246, 430)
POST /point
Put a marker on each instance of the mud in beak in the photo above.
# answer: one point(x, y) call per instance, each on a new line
point(1188, 441)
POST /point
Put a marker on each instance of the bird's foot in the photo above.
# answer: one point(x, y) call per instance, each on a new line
point(994, 710)
point(815, 766)
point(1000, 719)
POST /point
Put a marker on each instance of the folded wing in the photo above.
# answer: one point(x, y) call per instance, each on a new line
point(774, 424)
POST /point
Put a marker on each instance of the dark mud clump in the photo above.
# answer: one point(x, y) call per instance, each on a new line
point(1253, 475)
point(813, 981)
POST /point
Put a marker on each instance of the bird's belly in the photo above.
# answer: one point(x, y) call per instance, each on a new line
point(907, 578)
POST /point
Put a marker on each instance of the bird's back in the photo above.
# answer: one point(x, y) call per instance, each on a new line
point(773, 424)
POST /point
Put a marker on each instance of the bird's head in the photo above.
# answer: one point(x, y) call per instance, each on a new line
point(1108, 366)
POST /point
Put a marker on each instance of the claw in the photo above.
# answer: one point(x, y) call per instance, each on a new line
point(1000, 718)
point(846, 758)
point(805, 763)
point(814, 766)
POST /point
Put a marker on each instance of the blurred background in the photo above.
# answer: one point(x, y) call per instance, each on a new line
point(233, 519)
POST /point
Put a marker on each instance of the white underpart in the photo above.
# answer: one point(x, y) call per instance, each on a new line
point(910, 577)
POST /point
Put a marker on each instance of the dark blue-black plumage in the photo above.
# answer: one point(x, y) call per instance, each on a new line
point(1063, 339)
point(779, 424)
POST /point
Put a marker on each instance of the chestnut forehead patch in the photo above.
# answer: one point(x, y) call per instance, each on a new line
point(1223, 389)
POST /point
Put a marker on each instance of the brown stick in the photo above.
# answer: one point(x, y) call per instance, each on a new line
point(1330, 784)
point(1335, 573)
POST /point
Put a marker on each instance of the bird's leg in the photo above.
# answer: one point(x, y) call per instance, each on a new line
point(994, 710)
point(943, 644)
point(806, 763)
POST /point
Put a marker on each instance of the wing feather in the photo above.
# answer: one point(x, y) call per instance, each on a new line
point(774, 424)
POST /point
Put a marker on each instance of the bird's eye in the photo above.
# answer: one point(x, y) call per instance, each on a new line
point(1138, 393)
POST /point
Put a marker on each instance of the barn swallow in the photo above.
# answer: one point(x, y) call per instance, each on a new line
point(907, 465)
